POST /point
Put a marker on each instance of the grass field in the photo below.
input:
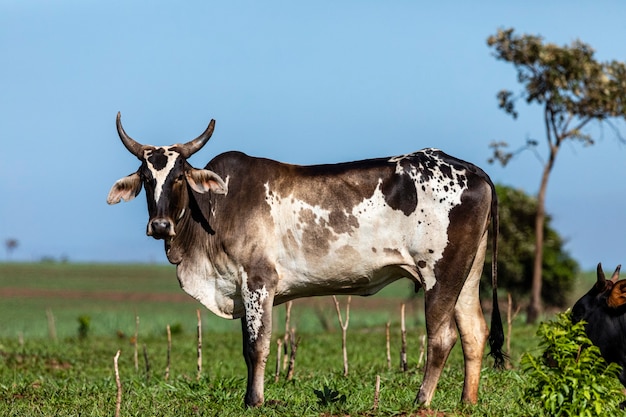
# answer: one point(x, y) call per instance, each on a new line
point(41, 376)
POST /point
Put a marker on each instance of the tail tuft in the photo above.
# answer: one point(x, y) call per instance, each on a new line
point(496, 335)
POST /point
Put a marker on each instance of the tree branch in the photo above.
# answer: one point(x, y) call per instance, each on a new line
point(616, 131)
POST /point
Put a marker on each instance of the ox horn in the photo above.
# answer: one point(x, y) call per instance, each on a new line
point(133, 146)
point(195, 145)
point(600, 274)
point(615, 276)
point(601, 283)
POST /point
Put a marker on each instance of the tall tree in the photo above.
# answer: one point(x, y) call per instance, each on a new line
point(574, 89)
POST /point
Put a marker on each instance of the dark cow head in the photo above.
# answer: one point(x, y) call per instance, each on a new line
point(606, 296)
point(166, 176)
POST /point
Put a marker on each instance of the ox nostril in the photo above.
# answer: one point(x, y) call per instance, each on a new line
point(160, 227)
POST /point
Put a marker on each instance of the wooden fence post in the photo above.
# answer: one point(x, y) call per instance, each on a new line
point(344, 331)
point(118, 383)
point(403, 362)
point(52, 329)
point(287, 329)
point(292, 355)
point(199, 344)
point(279, 347)
point(376, 392)
point(169, 352)
point(135, 341)
point(388, 346)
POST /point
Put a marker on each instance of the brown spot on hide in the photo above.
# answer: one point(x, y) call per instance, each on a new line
point(289, 241)
point(342, 222)
point(348, 252)
point(316, 240)
point(307, 217)
point(316, 235)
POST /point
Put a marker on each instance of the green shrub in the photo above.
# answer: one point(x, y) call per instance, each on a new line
point(569, 377)
point(84, 325)
point(329, 396)
point(176, 328)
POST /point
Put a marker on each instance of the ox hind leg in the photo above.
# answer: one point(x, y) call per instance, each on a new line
point(440, 328)
point(256, 326)
point(472, 327)
point(453, 302)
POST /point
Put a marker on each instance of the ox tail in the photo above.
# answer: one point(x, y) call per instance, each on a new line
point(496, 334)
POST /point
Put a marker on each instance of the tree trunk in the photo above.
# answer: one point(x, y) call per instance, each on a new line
point(536, 306)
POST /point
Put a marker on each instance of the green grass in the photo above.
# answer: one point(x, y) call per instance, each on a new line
point(42, 377)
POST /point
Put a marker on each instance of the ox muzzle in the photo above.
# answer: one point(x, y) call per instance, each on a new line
point(161, 228)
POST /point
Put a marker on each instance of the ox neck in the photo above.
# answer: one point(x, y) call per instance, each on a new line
point(193, 229)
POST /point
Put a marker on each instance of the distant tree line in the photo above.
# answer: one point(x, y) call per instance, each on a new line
point(11, 244)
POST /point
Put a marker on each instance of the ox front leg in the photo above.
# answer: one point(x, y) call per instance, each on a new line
point(257, 332)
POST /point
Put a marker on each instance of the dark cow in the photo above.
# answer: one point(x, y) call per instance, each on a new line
point(250, 233)
point(604, 310)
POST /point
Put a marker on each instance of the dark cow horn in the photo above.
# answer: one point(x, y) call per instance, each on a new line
point(615, 276)
point(195, 145)
point(133, 146)
point(600, 273)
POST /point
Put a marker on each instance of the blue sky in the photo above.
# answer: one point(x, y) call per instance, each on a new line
point(301, 82)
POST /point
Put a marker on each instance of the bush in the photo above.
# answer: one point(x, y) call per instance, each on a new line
point(570, 377)
point(84, 325)
point(516, 252)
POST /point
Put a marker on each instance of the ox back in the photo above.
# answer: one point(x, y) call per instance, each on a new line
point(249, 233)
point(603, 309)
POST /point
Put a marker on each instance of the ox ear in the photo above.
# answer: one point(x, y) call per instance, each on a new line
point(617, 297)
point(203, 180)
point(125, 189)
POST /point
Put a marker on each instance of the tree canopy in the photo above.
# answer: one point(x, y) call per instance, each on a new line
point(574, 89)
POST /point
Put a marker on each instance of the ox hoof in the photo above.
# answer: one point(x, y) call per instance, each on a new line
point(420, 400)
point(252, 402)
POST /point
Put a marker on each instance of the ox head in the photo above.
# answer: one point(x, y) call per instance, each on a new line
point(166, 175)
point(606, 295)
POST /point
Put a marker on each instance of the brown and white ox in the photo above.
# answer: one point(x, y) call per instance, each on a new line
point(250, 233)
